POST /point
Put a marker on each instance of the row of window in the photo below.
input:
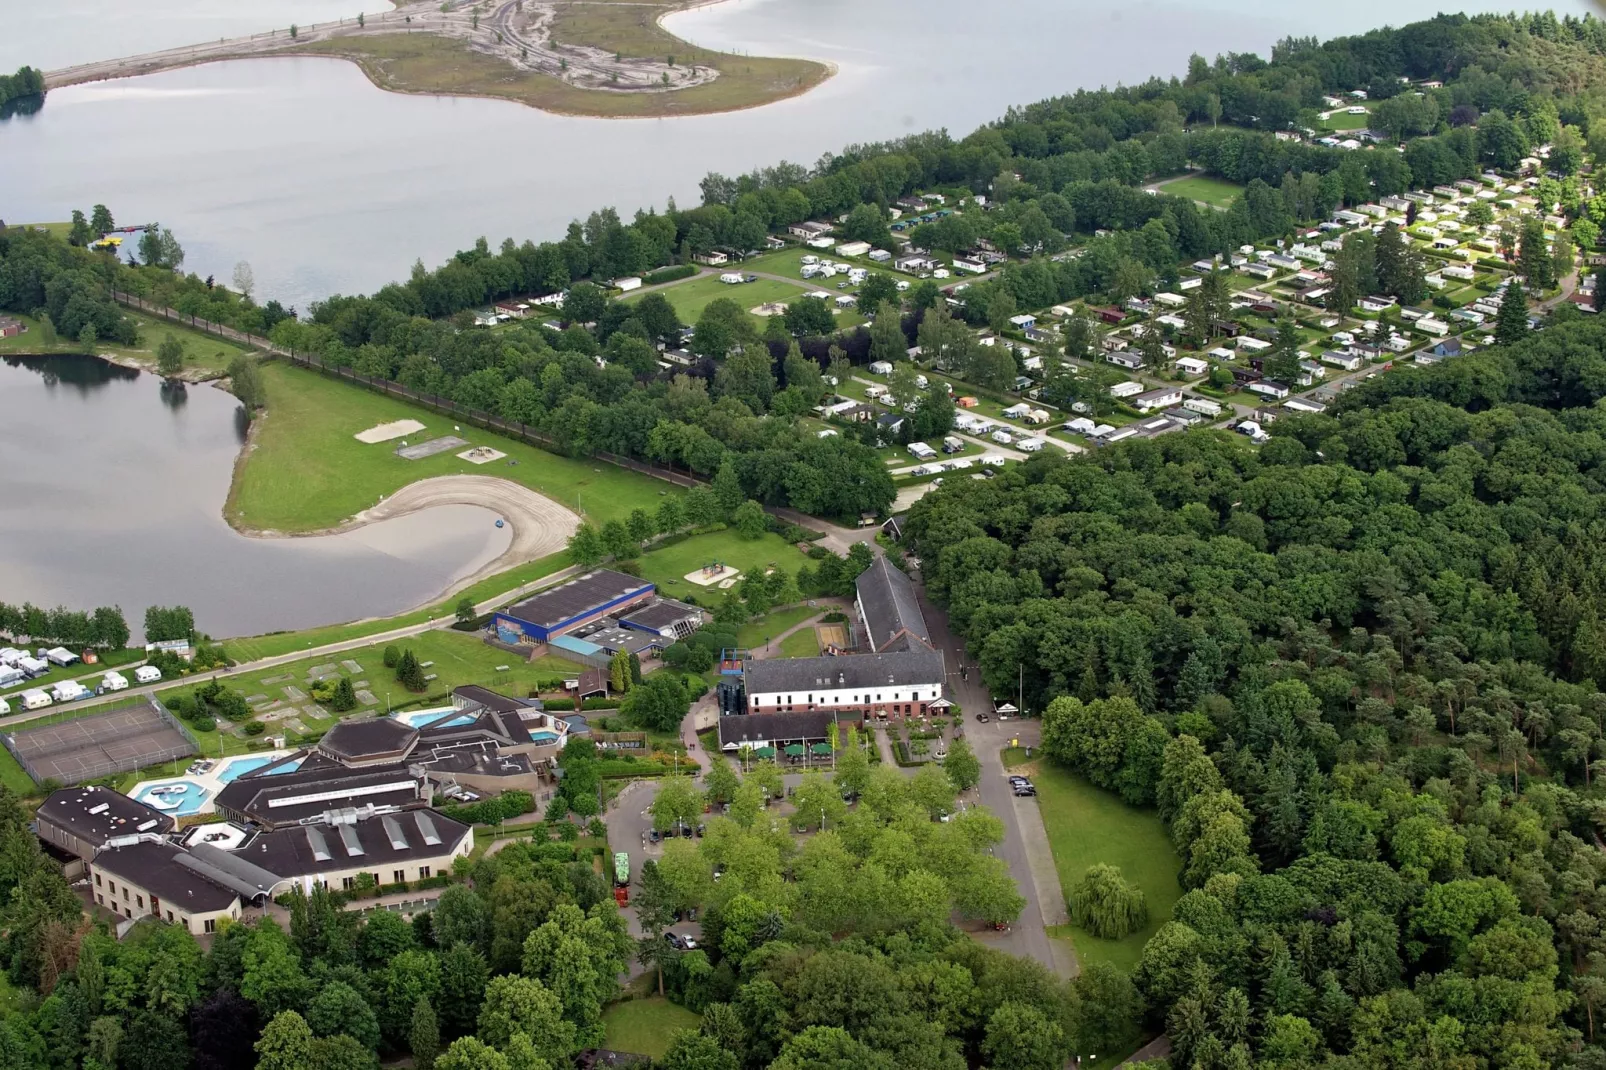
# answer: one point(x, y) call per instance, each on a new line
point(809, 699)
point(208, 925)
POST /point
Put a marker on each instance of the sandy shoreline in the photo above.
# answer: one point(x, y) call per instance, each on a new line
point(541, 527)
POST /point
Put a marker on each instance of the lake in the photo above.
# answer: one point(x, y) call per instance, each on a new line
point(326, 184)
point(112, 493)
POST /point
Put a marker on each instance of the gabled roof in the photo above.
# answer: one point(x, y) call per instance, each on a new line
point(769, 729)
point(801, 675)
point(887, 600)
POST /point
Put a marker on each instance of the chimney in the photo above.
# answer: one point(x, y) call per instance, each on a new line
point(841, 679)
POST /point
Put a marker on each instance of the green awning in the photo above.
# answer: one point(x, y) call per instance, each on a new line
point(764, 752)
point(821, 748)
point(794, 750)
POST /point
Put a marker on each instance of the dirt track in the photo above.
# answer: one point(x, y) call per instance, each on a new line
point(540, 525)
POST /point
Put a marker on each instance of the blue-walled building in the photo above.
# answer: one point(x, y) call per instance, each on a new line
point(572, 605)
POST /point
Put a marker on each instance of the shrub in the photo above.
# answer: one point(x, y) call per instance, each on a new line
point(597, 829)
point(669, 274)
point(255, 728)
point(1107, 906)
point(392, 657)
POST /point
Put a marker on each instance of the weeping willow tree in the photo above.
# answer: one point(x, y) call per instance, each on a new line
point(1105, 905)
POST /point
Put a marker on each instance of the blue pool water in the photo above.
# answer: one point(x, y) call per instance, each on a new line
point(423, 717)
point(543, 737)
point(163, 796)
point(238, 767)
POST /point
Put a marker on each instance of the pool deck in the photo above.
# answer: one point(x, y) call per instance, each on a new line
point(210, 782)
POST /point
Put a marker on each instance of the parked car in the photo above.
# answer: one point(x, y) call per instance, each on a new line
point(679, 942)
point(1025, 791)
point(982, 717)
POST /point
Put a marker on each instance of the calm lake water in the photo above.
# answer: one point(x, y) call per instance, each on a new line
point(111, 494)
point(326, 184)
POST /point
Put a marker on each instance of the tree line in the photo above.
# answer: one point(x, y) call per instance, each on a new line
point(104, 627)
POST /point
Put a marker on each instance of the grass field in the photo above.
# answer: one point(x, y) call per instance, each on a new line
point(644, 1026)
point(695, 294)
point(205, 356)
point(800, 644)
point(1342, 120)
point(753, 632)
point(668, 565)
point(1217, 192)
point(1086, 826)
point(305, 472)
point(424, 63)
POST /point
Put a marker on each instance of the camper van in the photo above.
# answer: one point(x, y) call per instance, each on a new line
point(113, 681)
point(952, 444)
point(147, 674)
point(34, 699)
point(69, 691)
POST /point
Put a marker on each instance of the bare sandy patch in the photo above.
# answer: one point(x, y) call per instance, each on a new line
point(386, 432)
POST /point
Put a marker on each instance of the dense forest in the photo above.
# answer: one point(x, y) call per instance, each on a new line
point(1054, 174)
point(1357, 670)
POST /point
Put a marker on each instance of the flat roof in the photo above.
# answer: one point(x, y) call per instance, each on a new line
point(97, 814)
point(552, 607)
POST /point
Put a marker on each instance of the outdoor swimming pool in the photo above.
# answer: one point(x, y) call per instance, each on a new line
point(420, 718)
point(236, 768)
point(178, 797)
point(543, 737)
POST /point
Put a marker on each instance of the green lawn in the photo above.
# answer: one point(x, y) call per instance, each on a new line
point(753, 632)
point(1086, 826)
point(695, 294)
point(668, 565)
point(1213, 191)
point(801, 644)
point(202, 352)
point(644, 1026)
point(305, 471)
point(1342, 120)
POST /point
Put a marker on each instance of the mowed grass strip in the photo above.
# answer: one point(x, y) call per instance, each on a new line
point(645, 1026)
point(668, 565)
point(304, 471)
point(1086, 826)
point(1214, 191)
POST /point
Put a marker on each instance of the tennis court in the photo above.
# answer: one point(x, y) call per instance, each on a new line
point(82, 748)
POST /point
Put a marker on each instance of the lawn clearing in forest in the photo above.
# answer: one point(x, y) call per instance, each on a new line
point(1087, 825)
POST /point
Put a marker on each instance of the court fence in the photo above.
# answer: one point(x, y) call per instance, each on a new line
point(104, 767)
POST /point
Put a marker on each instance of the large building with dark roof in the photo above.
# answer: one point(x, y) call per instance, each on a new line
point(74, 823)
point(141, 876)
point(888, 608)
point(899, 684)
point(570, 605)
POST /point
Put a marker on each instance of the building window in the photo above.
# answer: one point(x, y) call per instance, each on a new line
point(97, 880)
point(423, 871)
point(169, 915)
point(141, 900)
point(209, 925)
point(125, 893)
point(346, 883)
point(400, 876)
point(100, 899)
point(111, 886)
